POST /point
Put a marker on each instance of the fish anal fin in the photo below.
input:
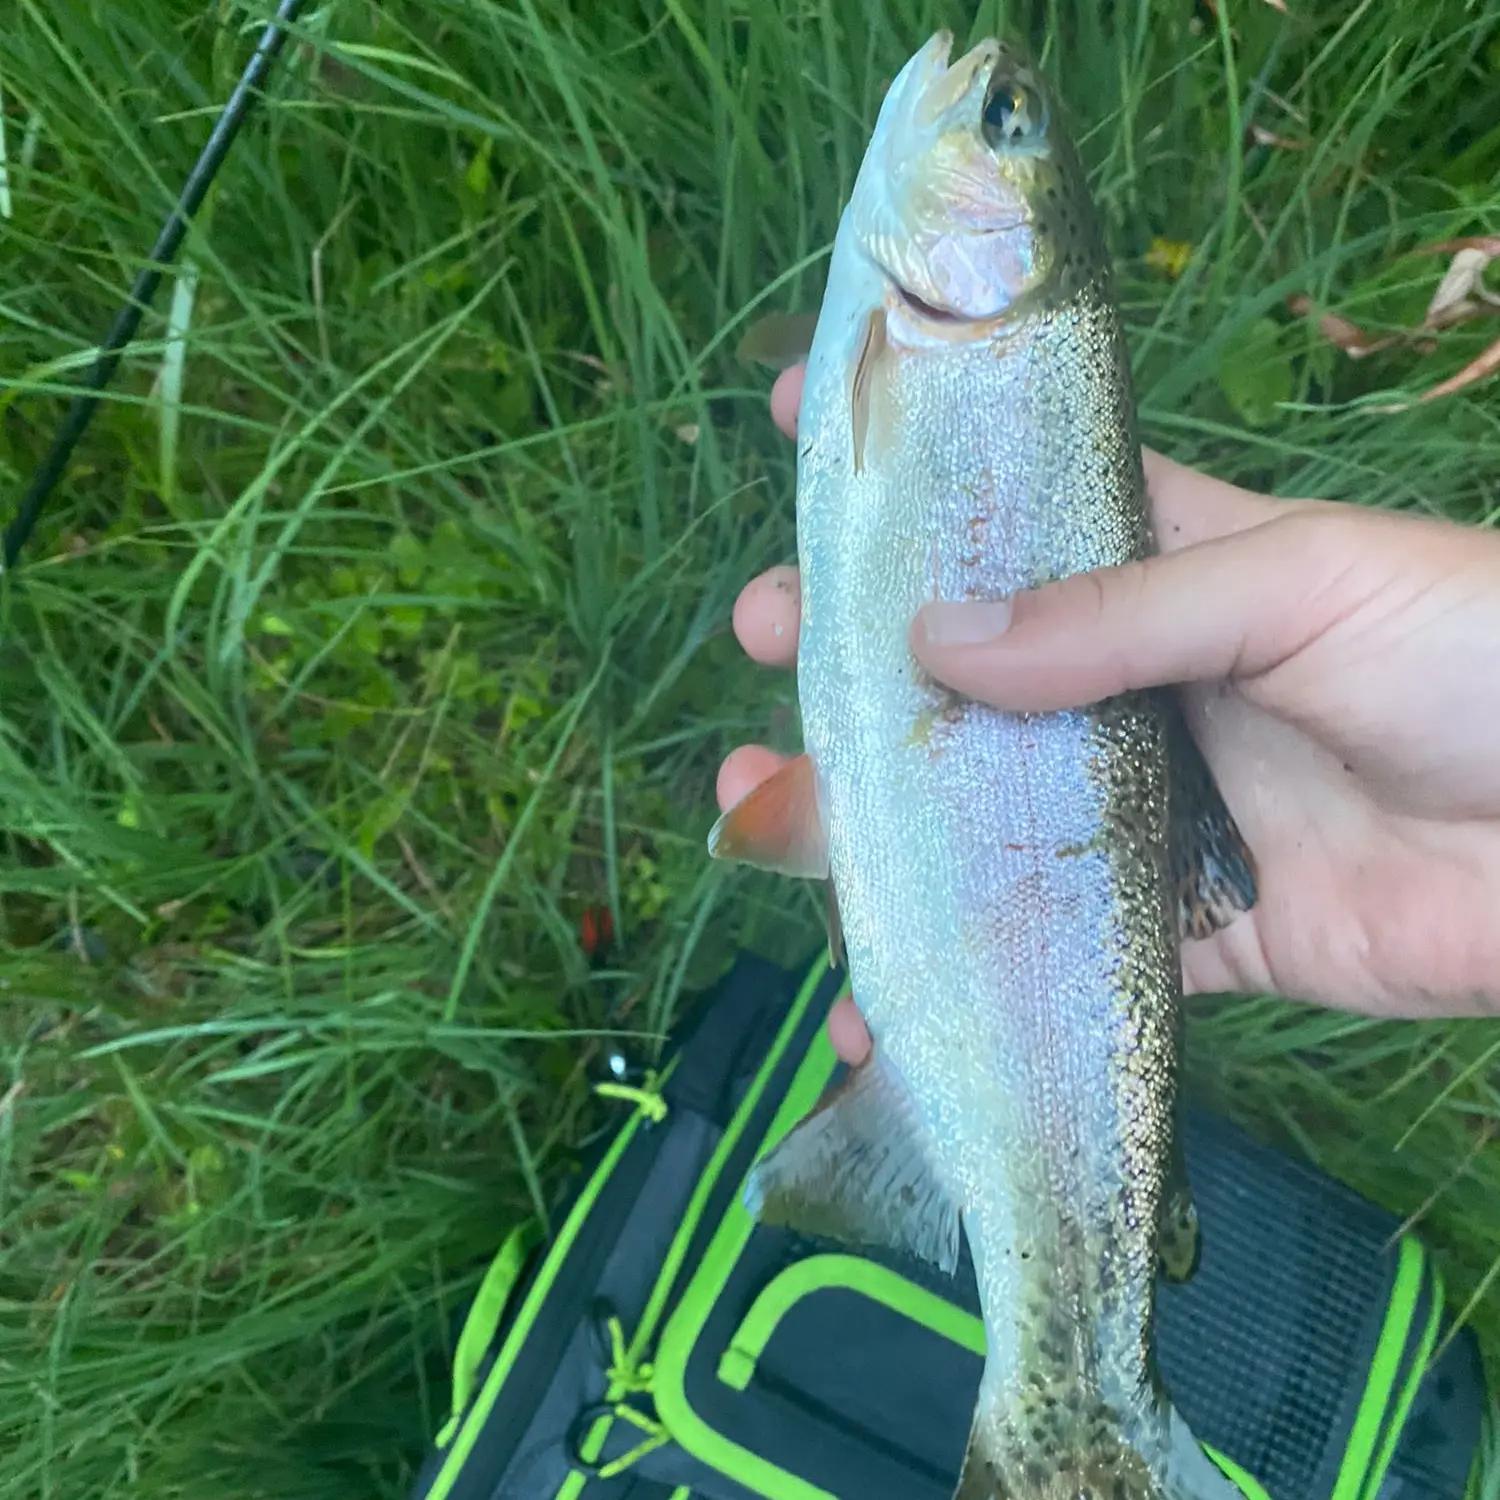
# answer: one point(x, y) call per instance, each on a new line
point(1180, 1241)
point(1213, 871)
point(835, 928)
point(778, 826)
point(856, 1171)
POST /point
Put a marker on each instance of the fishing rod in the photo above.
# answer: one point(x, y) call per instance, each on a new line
point(143, 292)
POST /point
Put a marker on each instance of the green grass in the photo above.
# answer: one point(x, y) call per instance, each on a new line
point(382, 627)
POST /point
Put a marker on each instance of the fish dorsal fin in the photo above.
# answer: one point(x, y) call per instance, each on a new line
point(1213, 872)
point(778, 826)
point(857, 1171)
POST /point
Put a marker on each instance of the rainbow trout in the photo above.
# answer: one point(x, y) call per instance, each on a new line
point(1009, 890)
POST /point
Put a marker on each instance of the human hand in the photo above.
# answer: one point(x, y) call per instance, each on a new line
point(1342, 674)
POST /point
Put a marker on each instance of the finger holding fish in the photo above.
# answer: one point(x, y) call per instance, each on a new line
point(743, 770)
point(786, 398)
point(768, 616)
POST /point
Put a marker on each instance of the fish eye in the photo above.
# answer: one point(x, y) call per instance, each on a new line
point(1012, 115)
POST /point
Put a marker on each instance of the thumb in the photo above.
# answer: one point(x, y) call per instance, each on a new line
point(1232, 607)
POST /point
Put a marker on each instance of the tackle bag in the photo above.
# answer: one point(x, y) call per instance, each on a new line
point(664, 1346)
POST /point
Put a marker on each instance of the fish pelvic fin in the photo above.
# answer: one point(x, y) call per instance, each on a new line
point(1066, 1451)
point(778, 825)
point(857, 1171)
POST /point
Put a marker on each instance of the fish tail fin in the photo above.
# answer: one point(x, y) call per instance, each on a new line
point(1060, 1450)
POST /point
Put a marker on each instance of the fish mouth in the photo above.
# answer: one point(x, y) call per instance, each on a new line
point(944, 99)
point(945, 88)
point(948, 84)
point(927, 312)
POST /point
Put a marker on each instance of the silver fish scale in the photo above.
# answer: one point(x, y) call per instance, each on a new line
point(1001, 879)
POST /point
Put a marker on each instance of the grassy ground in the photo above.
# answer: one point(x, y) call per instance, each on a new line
point(381, 629)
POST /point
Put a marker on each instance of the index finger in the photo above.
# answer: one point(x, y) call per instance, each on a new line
point(1188, 506)
point(786, 397)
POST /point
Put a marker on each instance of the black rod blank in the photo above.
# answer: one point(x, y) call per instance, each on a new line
point(143, 292)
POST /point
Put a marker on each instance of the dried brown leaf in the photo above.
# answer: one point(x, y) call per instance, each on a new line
point(1478, 368)
point(1489, 243)
point(1340, 332)
point(1260, 136)
point(1286, 106)
point(1461, 313)
point(1462, 287)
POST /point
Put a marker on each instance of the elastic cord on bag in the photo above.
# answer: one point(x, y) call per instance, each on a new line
point(625, 1379)
point(647, 1098)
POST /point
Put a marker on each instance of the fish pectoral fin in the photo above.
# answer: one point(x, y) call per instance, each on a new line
point(778, 826)
point(1213, 871)
point(1179, 1241)
point(778, 339)
point(856, 1171)
point(862, 389)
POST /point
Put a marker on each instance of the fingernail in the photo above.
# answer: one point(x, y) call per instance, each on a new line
point(965, 624)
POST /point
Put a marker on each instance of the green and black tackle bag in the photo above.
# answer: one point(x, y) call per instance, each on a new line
point(663, 1346)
